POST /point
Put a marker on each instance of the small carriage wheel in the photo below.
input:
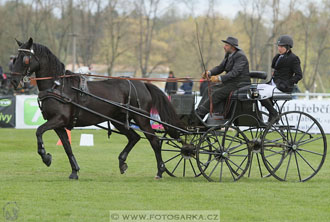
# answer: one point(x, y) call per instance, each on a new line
point(180, 156)
point(294, 147)
point(230, 156)
point(254, 137)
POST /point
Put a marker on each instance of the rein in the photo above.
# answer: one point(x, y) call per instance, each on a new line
point(111, 77)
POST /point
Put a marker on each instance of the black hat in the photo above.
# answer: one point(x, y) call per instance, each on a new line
point(232, 41)
point(284, 40)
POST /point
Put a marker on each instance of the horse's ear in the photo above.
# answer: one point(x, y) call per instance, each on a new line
point(30, 42)
point(19, 43)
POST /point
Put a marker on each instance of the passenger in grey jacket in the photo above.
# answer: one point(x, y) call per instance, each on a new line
point(236, 66)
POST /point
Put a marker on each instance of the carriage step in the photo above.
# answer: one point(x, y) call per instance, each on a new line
point(215, 120)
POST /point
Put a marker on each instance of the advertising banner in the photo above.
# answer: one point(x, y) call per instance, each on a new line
point(7, 111)
point(28, 114)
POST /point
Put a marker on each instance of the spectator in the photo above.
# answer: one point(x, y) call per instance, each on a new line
point(3, 80)
point(187, 86)
point(11, 63)
point(171, 87)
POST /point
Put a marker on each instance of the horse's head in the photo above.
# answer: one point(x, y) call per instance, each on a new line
point(25, 63)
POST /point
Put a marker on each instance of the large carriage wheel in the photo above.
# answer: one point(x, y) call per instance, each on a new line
point(294, 147)
point(225, 153)
point(179, 156)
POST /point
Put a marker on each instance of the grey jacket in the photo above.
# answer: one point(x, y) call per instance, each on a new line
point(236, 67)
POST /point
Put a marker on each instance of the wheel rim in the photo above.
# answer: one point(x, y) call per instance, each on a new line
point(294, 147)
point(228, 157)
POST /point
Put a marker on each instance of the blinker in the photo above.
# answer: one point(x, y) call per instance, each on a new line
point(26, 60)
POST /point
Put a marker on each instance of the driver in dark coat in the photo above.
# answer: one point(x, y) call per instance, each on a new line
point(236, 66)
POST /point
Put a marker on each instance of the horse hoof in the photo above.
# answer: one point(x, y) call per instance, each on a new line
point(73, 176)
point(123, 168)
point(158, 178)
point(47, 159)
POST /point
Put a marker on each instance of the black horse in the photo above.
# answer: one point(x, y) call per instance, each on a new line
point(38, 59)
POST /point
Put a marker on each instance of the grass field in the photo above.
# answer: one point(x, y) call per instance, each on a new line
point(46, 194)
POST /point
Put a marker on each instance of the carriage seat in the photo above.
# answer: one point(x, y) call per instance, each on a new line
point(258, 75)
point(246, 90)
point(245, 93)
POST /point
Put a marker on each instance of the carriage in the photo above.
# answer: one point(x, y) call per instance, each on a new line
point(292, 147)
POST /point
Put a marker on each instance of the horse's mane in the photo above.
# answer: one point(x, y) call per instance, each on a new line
point(56, 67)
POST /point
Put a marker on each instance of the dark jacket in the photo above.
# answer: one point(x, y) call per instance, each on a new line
point(236, 68)
point(287, 71)
point(187, 87)
point(171, 87)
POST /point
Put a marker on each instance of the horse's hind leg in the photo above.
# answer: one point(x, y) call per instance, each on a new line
point(67, 147)
point(133, 138)
point(154, 142)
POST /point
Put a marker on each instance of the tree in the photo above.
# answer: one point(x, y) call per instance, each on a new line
point(117, 29)
point(89, 29)
point(147, 17)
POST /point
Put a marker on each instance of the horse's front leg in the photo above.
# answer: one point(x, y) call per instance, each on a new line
point(67, 147)
point(51, 124)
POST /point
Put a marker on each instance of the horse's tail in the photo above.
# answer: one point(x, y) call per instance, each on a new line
point(165, 110)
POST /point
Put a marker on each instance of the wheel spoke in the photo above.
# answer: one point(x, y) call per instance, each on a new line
point(192, 167)
point(230, 169)
point(250, 165)
point(177, 165)
point(240, 143)
point(287, 168)
point(206, 146)
point(172, 158)
point(214, 169)
point(221, 171)
point(281, 133)
point(274, 152)
point(270, 164)
point(288, 126)
point(279, 145)
point(306, 132)
point(208, 162)
point(217, 140)
point(177, 151)
point(209, 153)
point(308, 151)
point(272, 141)
point(237, 151)
point(239, 167)
point(306, 161)
point(295, 136)
point(259, 165)
point(295, 156)
point(173, 144)
point(309, 141)
point(212, 145)
point(184, 167)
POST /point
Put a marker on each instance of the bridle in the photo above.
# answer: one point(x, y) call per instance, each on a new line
point(26, 62)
